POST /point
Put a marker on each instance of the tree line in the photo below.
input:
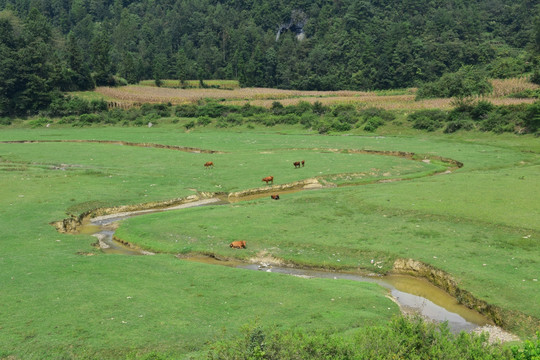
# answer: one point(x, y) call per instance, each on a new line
point(62, 45)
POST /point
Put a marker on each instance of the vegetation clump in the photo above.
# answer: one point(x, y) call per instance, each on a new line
point(403, 338)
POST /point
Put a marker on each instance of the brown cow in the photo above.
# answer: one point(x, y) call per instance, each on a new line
point(275, 196)
point(238, 244)
point(268, 179)
point(296, 164)
point(303, 162)
point(208, 164)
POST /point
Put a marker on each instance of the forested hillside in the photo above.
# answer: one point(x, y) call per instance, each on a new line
point(298, 44)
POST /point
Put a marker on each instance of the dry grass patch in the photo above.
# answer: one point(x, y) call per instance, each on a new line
point(505, 87)
point(136, 94)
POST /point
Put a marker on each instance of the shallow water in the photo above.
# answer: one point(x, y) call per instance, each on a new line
point(412, 294)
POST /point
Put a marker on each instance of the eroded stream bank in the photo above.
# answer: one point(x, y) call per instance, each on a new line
point(414, 295)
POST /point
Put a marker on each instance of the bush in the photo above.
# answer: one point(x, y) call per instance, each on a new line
point(343, 108)
point(212, 109)
point(349, 117)
point(532, 118)
point(186, 110)
point(481, 110)
point(203, 120)
point(403, 338)
point(277, 108)
point(160, 110)
point(5, 121)
point(38, 122)
point(429, 120)
point(529, 351)
point(377, 112)
point(249, 110)
point(456, 125)
point(341, 126)
point(302, 107)
point(319, 108)
point(87, 119)
point(232, 119)
point(291, 119)
point(373, 123)
point(467, 81)
point(309, 120)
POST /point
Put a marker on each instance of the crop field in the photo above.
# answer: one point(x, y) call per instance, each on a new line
point(230, 94)
point(64, 298)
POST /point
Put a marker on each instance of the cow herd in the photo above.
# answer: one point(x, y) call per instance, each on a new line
point(267, 179)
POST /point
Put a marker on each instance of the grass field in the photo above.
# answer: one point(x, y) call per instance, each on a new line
point(59, 302)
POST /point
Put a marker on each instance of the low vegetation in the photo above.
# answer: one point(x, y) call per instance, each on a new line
point(104, 304)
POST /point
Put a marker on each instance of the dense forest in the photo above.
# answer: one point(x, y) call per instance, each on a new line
point(61, 45)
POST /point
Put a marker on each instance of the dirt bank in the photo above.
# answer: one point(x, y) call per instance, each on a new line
point(503, 318)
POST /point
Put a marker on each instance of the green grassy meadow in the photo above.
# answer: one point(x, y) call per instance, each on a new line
point(59, 302)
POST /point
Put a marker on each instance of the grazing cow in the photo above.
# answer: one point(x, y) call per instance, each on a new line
point(268, 179)
point(208, 164)
point(303, 162)
point(238, 244)
point(275, 196)
point(296, 164)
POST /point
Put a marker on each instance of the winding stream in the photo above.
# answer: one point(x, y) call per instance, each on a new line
point(413, 295)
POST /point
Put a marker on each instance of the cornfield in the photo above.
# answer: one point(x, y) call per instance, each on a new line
point(134, 95)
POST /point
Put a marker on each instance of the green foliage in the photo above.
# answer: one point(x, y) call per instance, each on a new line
point(529, 351)
point(373, 123)
point(467, 81)
point(429, 120)
point(455, 125)
point(186, 110)
point(402, 338)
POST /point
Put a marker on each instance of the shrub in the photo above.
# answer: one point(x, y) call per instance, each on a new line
point(341, 126)
point(186, 110)
point(5, 121)
point(308, 120)
point(532, 118)
point(248, 110)
point(429, 120)
point(403, 338)
point(455, 125)
point(481, 110)
point(291, 119)
point(203, 120)
point(526, 94)
point(277, 108)
point(377, 112)
point(319, 108)
point(467, 81)
point(87, 119)
point(343, 108)
point(68, 119)
point(232, 119)
point(38, 122)
point(373, 123)
point(349, 117)
point(529, 351)
point(189, 125)
point(212, 109)
point(161, 110)
point(302, 107)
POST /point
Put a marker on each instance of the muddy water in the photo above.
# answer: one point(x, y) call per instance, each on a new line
point(413, 295)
